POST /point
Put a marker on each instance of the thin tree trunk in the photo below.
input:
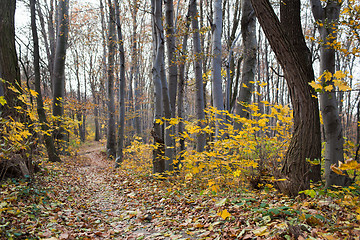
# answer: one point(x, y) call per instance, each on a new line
point(216, 66)
point(157, 132)
point(200, 105)
point(111, 131)
point(248, 31)
point(59, 70)
point(120, 144)
point(49, 141)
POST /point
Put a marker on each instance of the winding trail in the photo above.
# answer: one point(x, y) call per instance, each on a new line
point(116, 204)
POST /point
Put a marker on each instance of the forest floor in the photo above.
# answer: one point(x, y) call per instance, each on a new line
point(84, 197)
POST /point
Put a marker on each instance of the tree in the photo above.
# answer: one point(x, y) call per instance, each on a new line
point(49, 141)
point(248, 32)
point(120, 142)
point(193, 13)
point(9, 69)
point(59, 63)
point(305, 142)
point(328, 17)
point(111, 131)
point(157, 132)
point(216, 64)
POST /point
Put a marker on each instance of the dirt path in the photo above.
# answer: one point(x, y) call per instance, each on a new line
point(119, 211)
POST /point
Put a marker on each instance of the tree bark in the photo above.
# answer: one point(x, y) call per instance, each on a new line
point(111, 131)
point(49, 141)
point(334, 147)
point(157, 132)
point(9, 68)
point(248, 32)
point(59, 71)
point(305, 142)
point(216, 66)
point(120, 143)
point(200, 105)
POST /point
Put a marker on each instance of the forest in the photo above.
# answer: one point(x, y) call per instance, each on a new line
point(179, 119)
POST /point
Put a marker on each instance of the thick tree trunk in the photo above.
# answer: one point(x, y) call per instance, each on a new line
point(49, 141)
point(201, 137)
point(305, 143)
point(111, 131)
point(334, 148)
point(9, 68)
point(248, 32)
point(291, 23)
point(120, 144)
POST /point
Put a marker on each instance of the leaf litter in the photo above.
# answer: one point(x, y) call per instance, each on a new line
point(84, 197)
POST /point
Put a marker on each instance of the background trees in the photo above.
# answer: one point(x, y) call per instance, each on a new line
point(167, 57)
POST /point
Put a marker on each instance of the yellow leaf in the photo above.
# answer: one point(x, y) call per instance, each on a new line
point(224, 214)
point(244, 85)
point(339, 75)
point(329, 88)
point(315, 85)
point(262, 122)
point(2, 100)
point(349, 165)
point(336, 170)
point(260, 231)
point(263, 84)
point(327, 75)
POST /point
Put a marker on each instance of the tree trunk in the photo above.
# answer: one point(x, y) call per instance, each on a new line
point(305, 142)
point(49, 141)
point(111, 131)
point(216, 65)
point(120, 144)
point(334, 147)
point(59, 68)
point(248, 31)
point(9, 68)
point(157, 132)
point(201, 137)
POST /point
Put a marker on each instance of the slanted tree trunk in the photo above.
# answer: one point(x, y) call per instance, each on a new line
point(120, 143)
point(334, 148)
point(305, 142)
point(201, 137)
point(216, 66)
point(49, 141)
point(248, 32)
point(59, 67)
point(111, 130)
